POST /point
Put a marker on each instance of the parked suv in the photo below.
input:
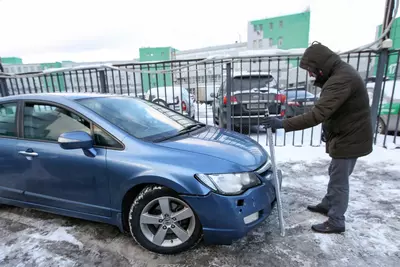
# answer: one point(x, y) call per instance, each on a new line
point(252, 93)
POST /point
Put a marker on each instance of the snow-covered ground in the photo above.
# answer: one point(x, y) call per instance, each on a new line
point(33, 238)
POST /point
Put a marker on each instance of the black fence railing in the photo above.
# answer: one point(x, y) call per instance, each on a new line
point(230, 93)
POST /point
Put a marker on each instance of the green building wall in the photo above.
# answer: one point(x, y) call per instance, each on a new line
point(153, 54)
point(294, 30)
point(393, 58)
point(11, 60)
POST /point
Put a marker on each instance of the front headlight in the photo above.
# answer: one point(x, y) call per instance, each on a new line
point(229, 183)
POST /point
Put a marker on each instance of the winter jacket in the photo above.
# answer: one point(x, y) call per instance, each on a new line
point(343, 107)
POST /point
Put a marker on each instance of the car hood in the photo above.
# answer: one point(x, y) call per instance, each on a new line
point(223, 144)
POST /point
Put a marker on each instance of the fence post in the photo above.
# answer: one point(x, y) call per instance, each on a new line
point(3, 82)
point(228, 96)
point(102, 78)
point(380, 73)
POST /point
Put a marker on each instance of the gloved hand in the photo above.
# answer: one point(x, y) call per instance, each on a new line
point(272, 122)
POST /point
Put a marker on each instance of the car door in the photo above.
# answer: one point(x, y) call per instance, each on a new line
point(63, 179)
point(11, 183)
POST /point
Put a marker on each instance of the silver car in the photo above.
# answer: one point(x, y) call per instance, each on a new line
point(176, 98)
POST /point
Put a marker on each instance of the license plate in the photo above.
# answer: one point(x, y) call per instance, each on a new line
point(256, 106)
point(308, 103)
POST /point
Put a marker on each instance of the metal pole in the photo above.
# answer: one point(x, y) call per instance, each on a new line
point(102, 78)
point(275, 178)
point(228, 95)
point(382, 61)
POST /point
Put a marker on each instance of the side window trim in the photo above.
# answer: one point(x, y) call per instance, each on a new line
point(92, 125)
point(20, 125)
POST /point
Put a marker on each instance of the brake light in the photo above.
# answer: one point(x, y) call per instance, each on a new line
point(233, 100)
point(280, 98)
point(282, 113)
point(184, 107)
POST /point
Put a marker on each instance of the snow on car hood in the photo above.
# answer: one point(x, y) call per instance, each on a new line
point(223, 144)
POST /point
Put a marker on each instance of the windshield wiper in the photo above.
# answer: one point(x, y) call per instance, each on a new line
point(183, 131)
point(190, 127)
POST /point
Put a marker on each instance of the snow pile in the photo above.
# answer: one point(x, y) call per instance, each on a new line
point(59, 235)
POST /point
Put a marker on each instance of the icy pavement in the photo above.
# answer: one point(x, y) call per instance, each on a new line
point(33, 238)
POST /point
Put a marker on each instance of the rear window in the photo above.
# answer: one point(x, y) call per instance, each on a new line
point(252, 82)
point(295, 94)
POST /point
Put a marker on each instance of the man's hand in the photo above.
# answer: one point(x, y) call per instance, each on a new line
point(272, 122)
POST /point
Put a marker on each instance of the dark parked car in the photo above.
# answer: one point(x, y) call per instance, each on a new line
point(252, 93)
point(298, 101)
point(167, 180)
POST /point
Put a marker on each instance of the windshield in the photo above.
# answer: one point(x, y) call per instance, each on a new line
point(291, 94)
point(252, 82)
point(139, 118)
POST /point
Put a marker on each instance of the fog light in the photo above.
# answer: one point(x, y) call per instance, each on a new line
point(251, 218)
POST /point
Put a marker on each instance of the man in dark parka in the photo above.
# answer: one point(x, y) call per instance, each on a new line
point(343, 109)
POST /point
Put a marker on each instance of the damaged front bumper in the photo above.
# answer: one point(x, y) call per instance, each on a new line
point(228, 218)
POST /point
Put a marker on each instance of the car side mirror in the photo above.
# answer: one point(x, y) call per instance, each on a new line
point(212, 95)
point(77, 140)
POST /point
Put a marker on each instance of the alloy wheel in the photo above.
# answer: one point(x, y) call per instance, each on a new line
point(167, 222)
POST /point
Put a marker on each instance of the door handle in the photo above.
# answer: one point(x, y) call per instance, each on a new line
point(28, 154)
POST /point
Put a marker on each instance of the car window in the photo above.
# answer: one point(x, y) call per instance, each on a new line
point(103, 139)
point(8, 125)
point(139, 118)
point(48, 122)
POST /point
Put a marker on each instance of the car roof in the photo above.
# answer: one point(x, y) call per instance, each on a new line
point(55, 96)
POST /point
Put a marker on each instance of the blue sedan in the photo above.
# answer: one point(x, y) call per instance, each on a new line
point(165, 179)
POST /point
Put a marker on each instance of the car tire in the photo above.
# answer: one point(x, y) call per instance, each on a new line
point(381, 126)
point(147, 206)
point(221, 121)
point(160, 102)
point(245, 129)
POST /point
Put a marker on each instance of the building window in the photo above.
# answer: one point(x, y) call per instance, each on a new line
point(254, 43)
point(271, 26)
point(261, 27)
point(280, 24)
point(255, 28)
point(280, 41)
point(271, 43)
point(260, 43)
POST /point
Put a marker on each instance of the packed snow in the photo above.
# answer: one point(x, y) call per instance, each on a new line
point(372, 237)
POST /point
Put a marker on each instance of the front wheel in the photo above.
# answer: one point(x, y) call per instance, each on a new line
point(160, 221)
point(381, 126)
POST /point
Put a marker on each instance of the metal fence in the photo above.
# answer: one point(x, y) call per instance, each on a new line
point(231, 93)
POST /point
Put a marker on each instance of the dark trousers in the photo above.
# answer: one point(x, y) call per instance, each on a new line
point(337, 197)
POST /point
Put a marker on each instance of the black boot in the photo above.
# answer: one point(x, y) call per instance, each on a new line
point(327, 228)
point(318, 209)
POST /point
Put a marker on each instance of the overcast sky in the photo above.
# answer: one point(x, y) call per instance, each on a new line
point(94, 30)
